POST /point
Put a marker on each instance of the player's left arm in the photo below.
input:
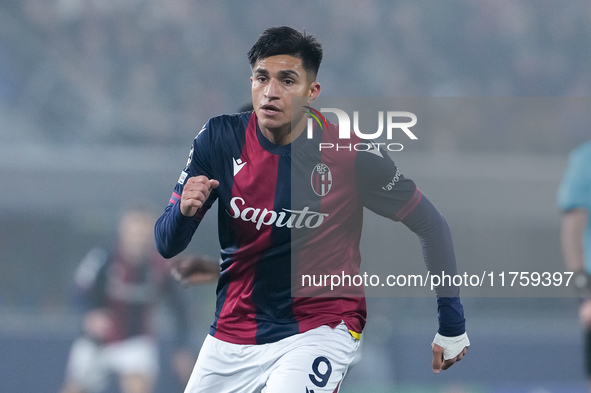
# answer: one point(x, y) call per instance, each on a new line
point(386, 191)
point(451, 341)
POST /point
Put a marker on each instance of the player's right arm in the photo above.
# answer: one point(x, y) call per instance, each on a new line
point(91, 286)
point(193, 195)
point(90, 280)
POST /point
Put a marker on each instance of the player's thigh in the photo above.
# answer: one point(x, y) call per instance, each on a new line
point(316, 363)
point(226, 367)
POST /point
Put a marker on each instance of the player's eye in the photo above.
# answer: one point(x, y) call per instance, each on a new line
point(288, 82)
point(262, 79)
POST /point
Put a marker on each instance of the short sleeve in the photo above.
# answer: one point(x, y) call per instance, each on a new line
point(575, 188)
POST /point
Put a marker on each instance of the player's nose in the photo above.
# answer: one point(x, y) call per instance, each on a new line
point(272, 89)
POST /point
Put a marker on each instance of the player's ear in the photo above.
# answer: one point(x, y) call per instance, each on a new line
point(314, 92)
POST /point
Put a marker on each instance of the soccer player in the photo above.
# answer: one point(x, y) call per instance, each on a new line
point(574, 199)
point(263, 339)
point(119, 290)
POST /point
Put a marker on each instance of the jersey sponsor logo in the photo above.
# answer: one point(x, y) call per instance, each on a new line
point(392, 182)
point(238, 165)
point(183, 177)
point(285, 218)
point(321, 179)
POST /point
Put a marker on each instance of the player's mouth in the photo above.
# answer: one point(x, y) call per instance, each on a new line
point(270, 110)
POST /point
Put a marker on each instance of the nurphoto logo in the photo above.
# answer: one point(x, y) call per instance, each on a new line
point(395, 120)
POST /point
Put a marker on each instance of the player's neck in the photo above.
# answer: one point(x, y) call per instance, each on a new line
point(284, 135)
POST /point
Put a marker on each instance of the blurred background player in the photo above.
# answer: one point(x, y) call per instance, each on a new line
point(574, 198)
point(118, 290)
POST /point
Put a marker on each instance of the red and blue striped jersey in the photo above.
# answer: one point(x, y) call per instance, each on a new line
point(293, 209)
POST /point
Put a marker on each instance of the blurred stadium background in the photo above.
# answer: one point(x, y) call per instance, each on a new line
point(100, 99)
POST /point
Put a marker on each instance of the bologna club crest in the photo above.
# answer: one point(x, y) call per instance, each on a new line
point(321, 179)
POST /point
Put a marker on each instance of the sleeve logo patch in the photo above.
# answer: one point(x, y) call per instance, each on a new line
point(183, 177)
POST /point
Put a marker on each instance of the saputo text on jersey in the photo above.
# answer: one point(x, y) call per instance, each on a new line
point(286, 218)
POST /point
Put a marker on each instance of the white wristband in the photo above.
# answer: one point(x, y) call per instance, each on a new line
point(452, 346)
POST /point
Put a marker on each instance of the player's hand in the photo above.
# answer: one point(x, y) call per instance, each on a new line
point(585, 313)
point(195, 193)
point(448, 350)
point(196, 269)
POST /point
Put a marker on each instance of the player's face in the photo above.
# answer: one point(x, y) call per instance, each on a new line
point(275, 80)
point(136, 236)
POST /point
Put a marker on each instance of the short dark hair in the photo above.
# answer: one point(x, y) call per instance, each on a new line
point(284, 40)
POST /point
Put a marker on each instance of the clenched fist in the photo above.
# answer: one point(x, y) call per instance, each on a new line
point(195, 193)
